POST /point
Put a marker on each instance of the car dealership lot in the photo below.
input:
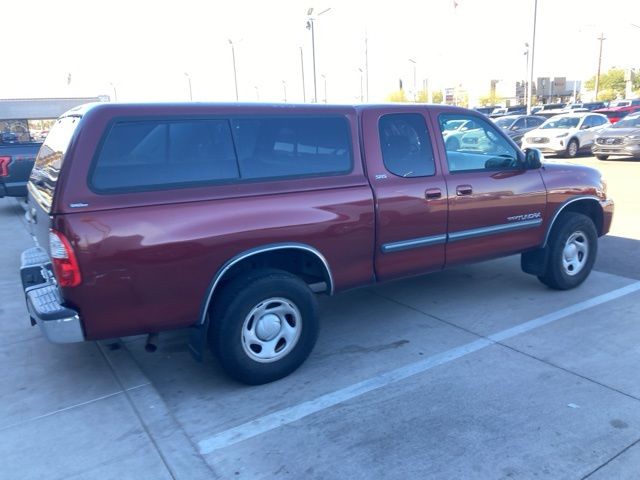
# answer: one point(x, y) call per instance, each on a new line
point(474, 372)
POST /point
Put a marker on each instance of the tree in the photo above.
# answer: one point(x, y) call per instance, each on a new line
point(611, 84)
point(422, 96)
point(438, 96)
point(490, 100)
point(397, 96)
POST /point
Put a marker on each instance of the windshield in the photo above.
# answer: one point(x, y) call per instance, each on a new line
point(504, 123)
point(563, 122)
point(629, 122)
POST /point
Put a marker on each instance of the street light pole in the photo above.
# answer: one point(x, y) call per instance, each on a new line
point(115, 93)
point(324, 77)
point(602, 39)
point(235, 74)
point(311, 26)
point(190, 90)
point(414, 79)
point(284, 88)
point(304, 91)
point(366, 61)
point(533, 52)
point(361, 91)
point(526, 77)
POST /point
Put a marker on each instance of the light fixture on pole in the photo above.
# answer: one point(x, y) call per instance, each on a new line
point(235, 73)
point(311, 26)
point(190, 90)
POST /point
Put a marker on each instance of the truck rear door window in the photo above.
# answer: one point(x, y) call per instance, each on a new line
point(274, 147)
point(145, 155)
point(405, 145)
point(46, 170)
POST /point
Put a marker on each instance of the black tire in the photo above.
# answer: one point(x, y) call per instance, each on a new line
point(602, 157)
point(573, 147)
point(570, 225)
point(229, 332)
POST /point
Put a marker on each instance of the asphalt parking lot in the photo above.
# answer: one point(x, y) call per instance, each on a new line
point(474, 372)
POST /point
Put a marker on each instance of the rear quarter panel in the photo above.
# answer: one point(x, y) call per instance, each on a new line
point(147, 259)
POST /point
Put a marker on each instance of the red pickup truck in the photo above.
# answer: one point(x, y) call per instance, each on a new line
point(229, 219)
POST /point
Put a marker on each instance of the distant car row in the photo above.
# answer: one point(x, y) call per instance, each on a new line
point(614, 110)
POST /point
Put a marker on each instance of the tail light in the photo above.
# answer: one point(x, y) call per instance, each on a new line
point(65, 265)
point(4, 166)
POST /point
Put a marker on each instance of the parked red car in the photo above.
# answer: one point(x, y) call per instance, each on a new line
point(619, 109)
point(229, 218)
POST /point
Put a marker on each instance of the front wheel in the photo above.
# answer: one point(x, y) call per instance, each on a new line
point(572, 148)
point(264, 326)
point(573, 245)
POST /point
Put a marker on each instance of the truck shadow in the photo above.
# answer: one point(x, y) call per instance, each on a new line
point(619, 256)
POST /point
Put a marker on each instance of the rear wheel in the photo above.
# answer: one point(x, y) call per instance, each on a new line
point(602, 157)
point(573, 245)
point(264, 326)
point(572, 148)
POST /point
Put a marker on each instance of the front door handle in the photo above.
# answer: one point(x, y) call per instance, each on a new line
point(464, 190)
point(431, 193)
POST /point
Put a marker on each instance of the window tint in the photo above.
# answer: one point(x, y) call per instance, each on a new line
point(292, 146)
point(143, 154)
point(597, 121)
point(481, 149)
point(405, 145)
point(519, 124)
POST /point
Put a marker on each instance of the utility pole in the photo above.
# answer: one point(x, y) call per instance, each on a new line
point(601, 39)
point(311, 26)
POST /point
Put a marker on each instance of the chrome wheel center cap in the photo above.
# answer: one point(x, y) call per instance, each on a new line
point(268, 327)
point(570, 251)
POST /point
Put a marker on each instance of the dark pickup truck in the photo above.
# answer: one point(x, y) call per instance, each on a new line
point(16, 161)
point(229, 219)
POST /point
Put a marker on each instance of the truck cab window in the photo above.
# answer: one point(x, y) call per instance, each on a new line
point(482, 148)
point(406, 148)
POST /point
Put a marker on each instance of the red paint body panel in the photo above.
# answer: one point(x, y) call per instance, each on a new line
point(148, 259)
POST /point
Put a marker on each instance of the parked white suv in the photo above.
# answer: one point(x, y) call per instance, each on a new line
point(566, 134)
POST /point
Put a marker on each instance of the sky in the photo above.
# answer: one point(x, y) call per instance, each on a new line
point(149, 50)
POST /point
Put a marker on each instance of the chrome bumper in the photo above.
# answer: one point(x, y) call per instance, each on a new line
point(58, 323)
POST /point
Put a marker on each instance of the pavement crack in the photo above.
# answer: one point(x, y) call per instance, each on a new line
point(600, 467)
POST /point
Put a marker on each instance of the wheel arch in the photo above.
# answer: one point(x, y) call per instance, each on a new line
point(297, 258)
point(587, 205)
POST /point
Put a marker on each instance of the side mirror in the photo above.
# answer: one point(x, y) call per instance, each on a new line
point(533, 158)
point(585, 127)
point(515, 127)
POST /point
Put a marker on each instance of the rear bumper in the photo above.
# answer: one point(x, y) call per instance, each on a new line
point(58, 323)
point(13, 189)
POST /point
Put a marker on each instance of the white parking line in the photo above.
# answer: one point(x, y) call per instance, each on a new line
point(288, 415)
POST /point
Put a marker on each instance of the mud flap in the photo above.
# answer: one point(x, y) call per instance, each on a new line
point(198, 339)
point(535, 261)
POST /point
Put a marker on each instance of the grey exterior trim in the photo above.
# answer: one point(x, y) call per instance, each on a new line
point(254, 251)
point(505, 227)
point(413, 243)
point(563, 206)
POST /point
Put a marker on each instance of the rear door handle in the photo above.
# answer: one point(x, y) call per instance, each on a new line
point(432, 193)
point(464, 190)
